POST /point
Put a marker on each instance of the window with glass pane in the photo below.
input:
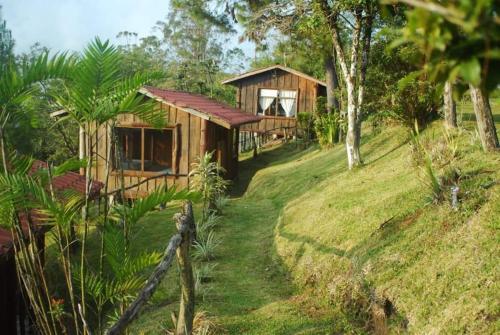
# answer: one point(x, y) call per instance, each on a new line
point(267, 101)
point(277, 102)
point(129, 144)
point(144, 149)
point(157, 150)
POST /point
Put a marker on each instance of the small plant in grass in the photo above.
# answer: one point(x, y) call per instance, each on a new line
point(206, 177)
point(206, 226)
point(204, 248)
point(438, 158)
point(203, 324)
point(204, 272)
point(221, 202)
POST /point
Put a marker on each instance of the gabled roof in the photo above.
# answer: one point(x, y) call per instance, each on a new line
point(273, 67)
point(201, 106)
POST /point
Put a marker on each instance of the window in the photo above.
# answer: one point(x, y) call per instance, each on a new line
point(145, 149)
point(277, 102)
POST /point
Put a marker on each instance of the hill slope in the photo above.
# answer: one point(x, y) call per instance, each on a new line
point(311, 248)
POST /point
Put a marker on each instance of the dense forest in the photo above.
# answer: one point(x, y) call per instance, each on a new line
point(380, 215)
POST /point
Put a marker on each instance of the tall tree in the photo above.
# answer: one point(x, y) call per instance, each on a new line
point(6, 43)
point(196, 39)
point(354, 19)
point(302, 33)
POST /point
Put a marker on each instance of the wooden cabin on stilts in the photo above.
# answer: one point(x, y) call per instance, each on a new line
point(277, 94)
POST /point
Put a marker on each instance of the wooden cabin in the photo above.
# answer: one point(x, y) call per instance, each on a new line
point(153, 157)
point(278, 94)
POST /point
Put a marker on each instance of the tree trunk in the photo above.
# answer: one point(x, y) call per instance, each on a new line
point(484, 118)
point(332, 84)
point(352, 136)
point(186, 309)
point(450, 108)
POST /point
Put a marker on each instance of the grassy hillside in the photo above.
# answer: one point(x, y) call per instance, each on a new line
point(311, 248)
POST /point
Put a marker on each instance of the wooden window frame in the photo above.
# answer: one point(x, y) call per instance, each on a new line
point(277, 102)
point(142, 173)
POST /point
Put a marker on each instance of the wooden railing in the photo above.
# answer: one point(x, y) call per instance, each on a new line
point(272, 124)
point(179, 244)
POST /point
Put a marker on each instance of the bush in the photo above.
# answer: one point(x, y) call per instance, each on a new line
point(327, 128)
point(305, 123)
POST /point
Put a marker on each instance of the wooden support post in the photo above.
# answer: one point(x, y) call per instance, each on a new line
point(186, 309)
point(254, 145)
point(203, 137)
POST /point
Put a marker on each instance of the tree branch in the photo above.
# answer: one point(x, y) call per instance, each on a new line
point(449, 14)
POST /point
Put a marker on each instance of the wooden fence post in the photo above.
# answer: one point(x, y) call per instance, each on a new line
point(186, 308)
point(181, 240)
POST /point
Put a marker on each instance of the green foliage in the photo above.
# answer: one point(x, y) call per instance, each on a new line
point(397, 89)
point(327, 127)
point(457, 38)
point(6, 43)
point(205, 248)
point(305, 124)
point(198, 53)
point(206, 177)
point(98, 92)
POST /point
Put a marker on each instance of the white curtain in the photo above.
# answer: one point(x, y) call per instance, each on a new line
point(266, 98)
point(287, 101)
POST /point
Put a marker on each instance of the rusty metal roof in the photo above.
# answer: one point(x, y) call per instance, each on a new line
point(201, 106)
point(69, 180)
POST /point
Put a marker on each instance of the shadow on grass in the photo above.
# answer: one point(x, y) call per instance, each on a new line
point(472, 117)
point(319, 247)
point(270, 156)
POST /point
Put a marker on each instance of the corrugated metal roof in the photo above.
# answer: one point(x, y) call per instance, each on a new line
point(202, 106)
point(269, 68)
point(69, 180)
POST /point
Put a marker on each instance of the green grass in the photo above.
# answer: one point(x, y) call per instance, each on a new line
point(301, 231)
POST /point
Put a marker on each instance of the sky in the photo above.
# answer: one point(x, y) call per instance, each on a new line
point(71, 24)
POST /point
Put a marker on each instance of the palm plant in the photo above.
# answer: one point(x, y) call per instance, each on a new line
point(96, 94)
point(17, 83)
point(108, 291)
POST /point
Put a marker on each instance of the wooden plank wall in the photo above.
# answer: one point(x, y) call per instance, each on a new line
point(187, 142)
point(247, 97)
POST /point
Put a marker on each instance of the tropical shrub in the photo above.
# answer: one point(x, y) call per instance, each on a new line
point(305, 123)
point(206, 177)
point(327, 128)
